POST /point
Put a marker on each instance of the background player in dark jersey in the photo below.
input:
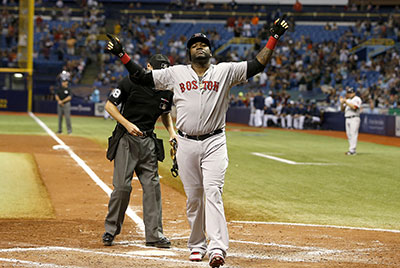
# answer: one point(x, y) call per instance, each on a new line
point(137, 151)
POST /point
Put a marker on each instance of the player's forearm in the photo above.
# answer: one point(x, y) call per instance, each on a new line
point(265, 55)
point(168, 124)
point(115, 113)
point(351, 105)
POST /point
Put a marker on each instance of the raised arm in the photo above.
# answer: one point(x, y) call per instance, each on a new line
point(136, 73)
point(264, 56)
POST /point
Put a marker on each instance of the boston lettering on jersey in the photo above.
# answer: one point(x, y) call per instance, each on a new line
point(193, 85)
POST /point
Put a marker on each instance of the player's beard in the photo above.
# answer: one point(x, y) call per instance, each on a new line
point(202, 59)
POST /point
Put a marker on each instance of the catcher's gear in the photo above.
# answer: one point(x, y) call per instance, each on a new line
point(279, 28)
point(114, 46)
point(174, 147)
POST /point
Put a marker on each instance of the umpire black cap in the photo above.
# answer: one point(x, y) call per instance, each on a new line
point(198, 37)
point(159, 61)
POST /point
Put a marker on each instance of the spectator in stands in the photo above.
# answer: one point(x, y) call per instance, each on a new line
point(233, 5)
point(95, 96)
point(298, 7)
point(167, 18)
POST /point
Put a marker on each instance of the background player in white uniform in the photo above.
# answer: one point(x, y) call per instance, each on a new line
point(351, 105)
point(201, 96)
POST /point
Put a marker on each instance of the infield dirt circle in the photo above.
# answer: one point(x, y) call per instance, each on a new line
point(73, 237)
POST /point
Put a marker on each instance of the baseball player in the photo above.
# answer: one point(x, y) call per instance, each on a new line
point(351, 106)
point(63, 98)
point(135, 148)
point(201, 96)
point(299, 116)
point(259, 105)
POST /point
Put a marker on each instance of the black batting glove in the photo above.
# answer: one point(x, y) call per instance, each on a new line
point(114, 46)
point(279, 28)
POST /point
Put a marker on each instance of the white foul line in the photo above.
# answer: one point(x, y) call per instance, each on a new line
point(131, 214)
point(289, 161)
point(35, 264)
point(319, 225)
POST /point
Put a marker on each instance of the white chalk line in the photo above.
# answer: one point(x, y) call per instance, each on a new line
point(290, 162)
point(35, 264)
point(87, 251)
point(131, 214)
point(319, 225)
point(308, 256)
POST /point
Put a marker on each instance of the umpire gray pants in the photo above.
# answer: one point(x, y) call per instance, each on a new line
point(64, 110)
point(136, 154)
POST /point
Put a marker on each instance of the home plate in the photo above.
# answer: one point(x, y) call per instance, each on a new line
point(151, 253)
point(60, 147)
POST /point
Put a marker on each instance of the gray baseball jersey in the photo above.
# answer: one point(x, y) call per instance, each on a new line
point(201, 103)
point(351, 112)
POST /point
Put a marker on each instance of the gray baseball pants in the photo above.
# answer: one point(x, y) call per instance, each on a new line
point(352, 127)
point(64, 110)
point(136, 154)
point(202, 167)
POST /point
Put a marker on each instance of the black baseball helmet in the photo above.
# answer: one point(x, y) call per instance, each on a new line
point(159, 61)
point(198, 37)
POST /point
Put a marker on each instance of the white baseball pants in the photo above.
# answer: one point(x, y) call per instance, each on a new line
point(202, 166)
point(352, 127)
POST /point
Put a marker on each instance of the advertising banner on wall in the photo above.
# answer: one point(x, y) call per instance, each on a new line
point(374, 124)
point(99, 109)
point(397, 126)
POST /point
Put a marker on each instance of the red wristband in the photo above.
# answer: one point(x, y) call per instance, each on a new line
point(271, 43)
point(125, 58)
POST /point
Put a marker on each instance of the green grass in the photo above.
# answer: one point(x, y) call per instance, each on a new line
point(22, 194)
point(360, 190)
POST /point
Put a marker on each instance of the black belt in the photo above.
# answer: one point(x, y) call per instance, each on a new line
point(200, 137)
point(347, 117)
point(147, 133)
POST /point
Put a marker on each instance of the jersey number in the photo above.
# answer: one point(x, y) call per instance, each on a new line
point(116, 93)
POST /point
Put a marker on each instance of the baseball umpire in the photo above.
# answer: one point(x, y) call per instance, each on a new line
point(63, 98)
point(135, 148)
point(202, 97)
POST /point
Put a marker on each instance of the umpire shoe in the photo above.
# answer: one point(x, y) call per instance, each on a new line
point(162, 243)
point(107, 239)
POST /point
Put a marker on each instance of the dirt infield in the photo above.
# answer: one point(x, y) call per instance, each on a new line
point(72, 238)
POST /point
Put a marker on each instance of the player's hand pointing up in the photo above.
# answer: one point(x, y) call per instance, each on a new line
point(279, 28)
point(114, 46)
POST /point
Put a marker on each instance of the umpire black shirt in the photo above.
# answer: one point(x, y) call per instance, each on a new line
point(141, 105)
point(63, 92)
